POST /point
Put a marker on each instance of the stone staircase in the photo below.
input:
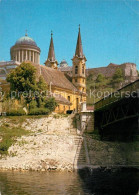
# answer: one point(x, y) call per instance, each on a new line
point(80, 156)
point(90, 124)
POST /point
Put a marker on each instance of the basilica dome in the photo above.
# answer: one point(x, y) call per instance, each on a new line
point(25, 41)
point(25, 49)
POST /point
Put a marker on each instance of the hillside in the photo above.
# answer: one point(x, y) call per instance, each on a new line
point(99, 85)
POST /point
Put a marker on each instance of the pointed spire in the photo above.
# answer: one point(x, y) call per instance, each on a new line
point(51, 54)
point(79, 49)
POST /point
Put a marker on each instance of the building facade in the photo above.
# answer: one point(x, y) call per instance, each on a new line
point(69, 94)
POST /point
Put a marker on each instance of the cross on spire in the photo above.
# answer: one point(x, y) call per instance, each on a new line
point(26, 34)
point(51, 33)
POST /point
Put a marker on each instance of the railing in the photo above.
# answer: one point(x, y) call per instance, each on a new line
point(119, 94)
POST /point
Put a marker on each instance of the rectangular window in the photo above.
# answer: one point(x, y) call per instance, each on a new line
point(69, 98)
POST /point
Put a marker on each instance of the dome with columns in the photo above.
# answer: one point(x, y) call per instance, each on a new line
point(25, 49)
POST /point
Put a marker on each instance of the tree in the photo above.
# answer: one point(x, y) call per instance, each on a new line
point(100, 78)
point(41, 84)
point(51, 104)
point(90, 77)
point(118, 76)
point(23, 78)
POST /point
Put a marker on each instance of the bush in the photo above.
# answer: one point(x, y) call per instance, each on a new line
point(39, 111)
point(100, 78)
point(18, 112)
point(51, 104)
point(4, 146)
point(32, 104)
point(118, 76)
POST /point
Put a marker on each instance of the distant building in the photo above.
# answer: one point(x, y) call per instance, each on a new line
point(63, 63)
point(129, 71)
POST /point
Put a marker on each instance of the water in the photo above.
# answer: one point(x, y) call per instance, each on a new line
point(85, 182)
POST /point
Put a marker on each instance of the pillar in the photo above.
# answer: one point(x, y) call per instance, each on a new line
point(26, 55)
point(29, 55)
point(33, 56)
point(16, 56)
point(19, 56)
point(22, 55)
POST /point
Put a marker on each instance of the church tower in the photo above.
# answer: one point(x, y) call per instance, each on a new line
point(51, 61)
point(79, 67)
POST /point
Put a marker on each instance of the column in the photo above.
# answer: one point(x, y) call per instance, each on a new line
point(26, 55)
point(33, 56)
point(19, 56)
point(16, 56)
point(29, 55)
point(22, 55)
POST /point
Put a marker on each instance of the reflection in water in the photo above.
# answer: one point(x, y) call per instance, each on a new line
point(85, 182)
point(102, 181)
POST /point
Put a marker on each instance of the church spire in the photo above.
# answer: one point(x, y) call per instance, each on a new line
point(79, 49)
point(51, 60)
point(51, 54)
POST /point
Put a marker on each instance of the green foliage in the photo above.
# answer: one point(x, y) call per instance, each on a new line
point(41, 84)
point(39, 111)
point(32, 104)
point(23, 78)
point(9, 136)
point(90, 77)
point(14, 112)
point(100, 78)
point(51, 104)
point(118, 76)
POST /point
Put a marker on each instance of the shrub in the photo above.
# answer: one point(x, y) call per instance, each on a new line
point(100, 78)
point(51, 104)
point(14, 112)
point(39, 111)
point(32, 104)
point(118, 76)
point(4, 146)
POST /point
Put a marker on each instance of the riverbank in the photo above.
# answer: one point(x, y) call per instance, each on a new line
point(51, 143)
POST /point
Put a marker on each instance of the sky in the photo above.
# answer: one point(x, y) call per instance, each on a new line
point(109, 28)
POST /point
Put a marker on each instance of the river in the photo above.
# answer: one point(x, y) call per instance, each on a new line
point(100, 181)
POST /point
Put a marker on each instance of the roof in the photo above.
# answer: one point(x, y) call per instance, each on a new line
point(54, 77)
point(61, 99)
point(25, 40)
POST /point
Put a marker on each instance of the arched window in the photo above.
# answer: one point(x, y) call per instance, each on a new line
point(76, 69)
point(82, 69)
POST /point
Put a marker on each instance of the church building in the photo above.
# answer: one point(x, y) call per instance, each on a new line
point(69, 93)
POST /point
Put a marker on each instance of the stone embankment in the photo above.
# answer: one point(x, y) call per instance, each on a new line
point(51, 145)
point(54, 144)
